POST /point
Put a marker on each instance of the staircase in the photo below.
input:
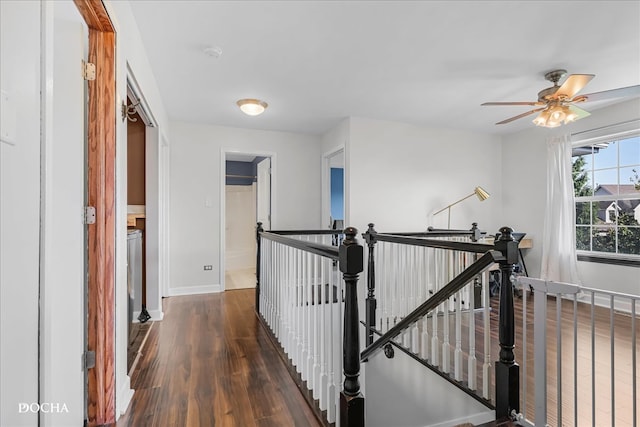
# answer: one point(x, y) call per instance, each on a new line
point(428, 358)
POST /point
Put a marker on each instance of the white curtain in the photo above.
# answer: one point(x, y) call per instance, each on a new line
point(559, 261)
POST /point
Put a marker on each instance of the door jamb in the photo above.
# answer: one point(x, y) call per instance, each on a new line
point(101, 194)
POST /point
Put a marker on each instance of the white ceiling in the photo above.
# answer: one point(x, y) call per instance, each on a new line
point(427, 63)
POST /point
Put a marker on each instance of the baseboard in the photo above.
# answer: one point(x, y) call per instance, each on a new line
point(195, 290)
point(125, 394)
point(156, 315)
point(475, 419)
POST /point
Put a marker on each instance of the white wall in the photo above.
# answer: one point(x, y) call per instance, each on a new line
point(401, 393)
point(398, 174)
point(19, 211)
point(524, 194)
point(195, 185)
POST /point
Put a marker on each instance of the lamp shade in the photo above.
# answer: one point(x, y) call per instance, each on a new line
point(481, 193)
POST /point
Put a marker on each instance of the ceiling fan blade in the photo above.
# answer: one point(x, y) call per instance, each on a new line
point(622, 92)
point(512, 103)
point(579, 112)
point(573, 85)
point(519, 116)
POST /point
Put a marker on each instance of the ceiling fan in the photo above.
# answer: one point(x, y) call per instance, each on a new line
point(556, 103)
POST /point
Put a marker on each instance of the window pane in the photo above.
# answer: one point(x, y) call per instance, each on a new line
point(583, 213)
point(606, 156)
point(582, 176)
point(606, 182)
point(606, 212)
point(630, 151)
point(630, 180)
point(604, 239)
point(582, 238)
point(629, 212)
point(608, 171)
point(629, 240)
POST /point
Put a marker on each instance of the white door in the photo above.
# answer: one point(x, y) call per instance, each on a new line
point(64, 250)
point(264, 193)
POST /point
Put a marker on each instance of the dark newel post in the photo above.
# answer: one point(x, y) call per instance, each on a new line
point(507, 370)
point(351, 265)
point(371, 237)
point(475, 236)
point(259, 230)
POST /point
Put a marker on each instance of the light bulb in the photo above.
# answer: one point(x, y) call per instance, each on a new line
point(557, 114)
point(542, 118)
point(570, 116)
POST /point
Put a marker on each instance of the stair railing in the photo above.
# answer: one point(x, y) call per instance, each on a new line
point(312, 313)
point(426, 280)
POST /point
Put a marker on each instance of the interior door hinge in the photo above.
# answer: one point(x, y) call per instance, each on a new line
point(88, 70)
point(89, 359)
point(89, 215)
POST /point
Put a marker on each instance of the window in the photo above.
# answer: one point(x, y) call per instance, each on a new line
point(606, 180)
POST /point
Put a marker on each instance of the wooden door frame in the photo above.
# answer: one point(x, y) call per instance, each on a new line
point(101, 169)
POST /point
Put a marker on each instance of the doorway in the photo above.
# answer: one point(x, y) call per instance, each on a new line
point(333, 211)
point(247, 200)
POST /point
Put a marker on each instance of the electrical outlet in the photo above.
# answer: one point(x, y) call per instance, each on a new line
point(208, 267)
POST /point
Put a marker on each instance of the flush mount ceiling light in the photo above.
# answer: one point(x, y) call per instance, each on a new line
point(252, 107)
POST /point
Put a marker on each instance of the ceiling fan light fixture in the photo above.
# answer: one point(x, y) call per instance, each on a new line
point(557, 102)
point(542, 118)
point(252, 107)
point(557, 113)
point(570, 116)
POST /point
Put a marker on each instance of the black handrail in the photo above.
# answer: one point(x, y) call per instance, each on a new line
point(474, 233)
point(305, 232)
point(314, 248)
point(435, 300)
point(478, 248)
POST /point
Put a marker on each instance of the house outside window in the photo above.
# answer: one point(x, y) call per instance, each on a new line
point(606, 178)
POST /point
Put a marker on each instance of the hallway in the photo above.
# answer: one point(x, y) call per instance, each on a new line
point(210, 363)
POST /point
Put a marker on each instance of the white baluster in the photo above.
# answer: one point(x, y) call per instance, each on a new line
point(324, 345)
point(471, 374)
point(317, 328)
point(457, 359)
point(486, 367)
point(425, 272)
point(435, 341)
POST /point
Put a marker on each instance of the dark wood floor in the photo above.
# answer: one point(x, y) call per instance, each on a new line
point(210, 363)
point(622, 361)
point(137, 337)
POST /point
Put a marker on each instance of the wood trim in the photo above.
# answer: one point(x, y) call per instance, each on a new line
point(101, 152)
point(95, 15)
